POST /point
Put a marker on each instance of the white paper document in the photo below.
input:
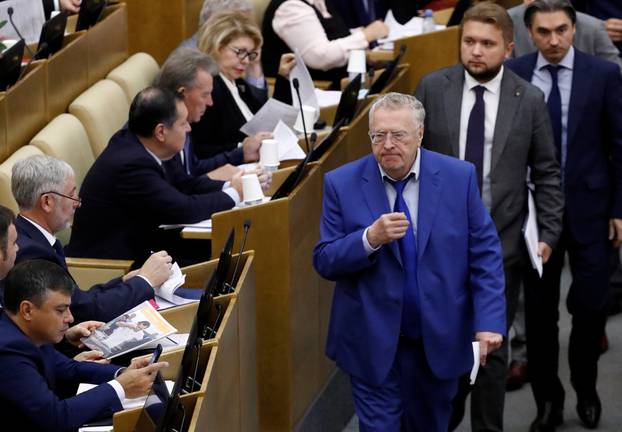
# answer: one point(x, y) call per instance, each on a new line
point(28, 17)
point(307, 88)
point(287, 143)
point(176, 340)
point(128, 403)
point(269, 115)
point(530, 232)
point(398, 31)
point(475, 367)
point(205, 225)
point(167, 290)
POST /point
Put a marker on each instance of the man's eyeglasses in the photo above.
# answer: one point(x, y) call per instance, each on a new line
point(242, 53)
point(75, 199)
point(395, 137)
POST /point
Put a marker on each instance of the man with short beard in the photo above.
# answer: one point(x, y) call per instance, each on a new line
point(482, 112)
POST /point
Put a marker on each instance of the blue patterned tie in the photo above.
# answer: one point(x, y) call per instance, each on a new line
point(474, 150)
point(555, 109)
point(411, 325)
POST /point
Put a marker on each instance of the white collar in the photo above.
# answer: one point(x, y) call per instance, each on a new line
point(157, 159)
point(48, 236)
point(492, 86)
point(414, 169)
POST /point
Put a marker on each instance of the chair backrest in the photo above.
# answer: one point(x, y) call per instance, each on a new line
point(103, 110)
point(134, 74)
point(6, 196)
point(65, 138)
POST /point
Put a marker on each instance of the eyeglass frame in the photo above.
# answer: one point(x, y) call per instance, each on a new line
point(77, 199)
point(241, 53)
point(375, 139)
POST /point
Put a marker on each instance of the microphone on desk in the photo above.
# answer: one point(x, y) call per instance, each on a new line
point(10, 12)
point(229, 287)
point(44, 46)
point(302, 114)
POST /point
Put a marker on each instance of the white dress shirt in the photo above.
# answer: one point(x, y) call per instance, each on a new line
point(410, 194)
point(491, 102)
point(298, 26)
point(542, 79)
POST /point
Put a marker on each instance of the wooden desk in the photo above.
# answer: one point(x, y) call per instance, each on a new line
point(107, 42)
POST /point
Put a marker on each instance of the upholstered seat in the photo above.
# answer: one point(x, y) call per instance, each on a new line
point(134, 74)
point(6, 196)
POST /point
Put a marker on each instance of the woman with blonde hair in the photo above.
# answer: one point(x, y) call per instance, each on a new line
point(240, 90)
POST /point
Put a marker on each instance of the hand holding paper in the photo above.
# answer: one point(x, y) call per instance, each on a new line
point(488, 342)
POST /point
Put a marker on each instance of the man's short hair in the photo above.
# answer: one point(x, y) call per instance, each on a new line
point(31, 280)
point(36, 175)
point(224, 27)
point(7, 218)
point(210, 7)
point(150, 107)
point(396, 101)
point(490, 13)
point(181, 68)
point(548, 6)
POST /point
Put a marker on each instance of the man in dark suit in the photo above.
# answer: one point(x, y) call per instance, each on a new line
point(584, 97)
point(8, 244)
point(127, 194)
point(69, 6)
point(189, 72)
point(416, 284)
point(45, 191)
point(481, 112)
point(37, 315)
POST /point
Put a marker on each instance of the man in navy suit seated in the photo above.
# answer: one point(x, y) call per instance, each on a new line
point(419, 273)
point(37, 315)
point(45, 191)
point(128, 192)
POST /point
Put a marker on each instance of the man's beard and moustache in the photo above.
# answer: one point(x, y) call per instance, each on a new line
point(484, 75)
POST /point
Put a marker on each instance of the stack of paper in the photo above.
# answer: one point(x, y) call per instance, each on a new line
point(166, 292)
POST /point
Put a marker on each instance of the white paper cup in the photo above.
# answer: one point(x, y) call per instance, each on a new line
point(251, 189)
point(357, 62)
point(309, 113)
point(269, 154)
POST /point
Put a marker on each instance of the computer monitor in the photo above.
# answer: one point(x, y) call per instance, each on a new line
point(327, 142)
point(11, 64)
point(459, 10)
point(52, 34)
point(348, 101)
point(388, 73)
point(292, 179)
point(90, 13)
point(163, 410)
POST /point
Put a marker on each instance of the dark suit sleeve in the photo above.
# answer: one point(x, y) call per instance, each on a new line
point(613, 113)
point(486, 276)
point(203, 166)
point(105, 302)
point(545, 173)
point(48, 8)
point(338, 253)
point(143, 190)
point(282, 90)
point(27, 390)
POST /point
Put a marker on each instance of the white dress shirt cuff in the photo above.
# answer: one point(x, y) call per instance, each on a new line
point(118, 389)
point(235, 196)
point(368, 248)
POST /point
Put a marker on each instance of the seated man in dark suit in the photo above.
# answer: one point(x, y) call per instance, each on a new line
point(128, 193)
point(8, 244)
point(45, 191)
point(36, 315)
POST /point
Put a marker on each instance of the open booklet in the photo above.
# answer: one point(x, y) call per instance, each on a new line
point(165, 295)
point(132, 330)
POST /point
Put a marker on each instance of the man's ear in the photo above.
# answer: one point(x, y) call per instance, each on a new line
point(181, 91)
point(46, 201)
point(159, 132)
point(26, 308)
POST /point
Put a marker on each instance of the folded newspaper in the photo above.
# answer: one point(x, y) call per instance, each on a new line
point(134, 329)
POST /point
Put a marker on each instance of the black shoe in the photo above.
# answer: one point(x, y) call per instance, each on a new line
point(516, 375)
point(548, 421)
point(589, 410)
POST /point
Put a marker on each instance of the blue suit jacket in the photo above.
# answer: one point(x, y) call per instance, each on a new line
point(198, 167)
point(460, 268)
point(126, 195)
point(28, 375)
point(102, 302)
point(593, 172)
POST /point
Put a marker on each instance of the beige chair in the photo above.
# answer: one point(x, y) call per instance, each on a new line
point(65, 138)
point(6, 196)
point(103, 110)
point(134, 74)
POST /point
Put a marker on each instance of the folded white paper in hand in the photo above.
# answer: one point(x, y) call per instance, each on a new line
point(168, 288)
point(287, 142)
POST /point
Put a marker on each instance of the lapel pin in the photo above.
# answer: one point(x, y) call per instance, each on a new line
point(517, 93)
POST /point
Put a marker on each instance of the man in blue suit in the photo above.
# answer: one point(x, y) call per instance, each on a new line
point(584, 97)
point(36, 315)
point(416, 284)
point(45, 191)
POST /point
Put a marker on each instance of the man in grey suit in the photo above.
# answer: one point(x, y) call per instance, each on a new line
point(485, 114)
point(590, 37)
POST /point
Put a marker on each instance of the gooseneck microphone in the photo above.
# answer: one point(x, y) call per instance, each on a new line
point(10, 12)
point(302, 114)
point(42, 47)
point(230, 287)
